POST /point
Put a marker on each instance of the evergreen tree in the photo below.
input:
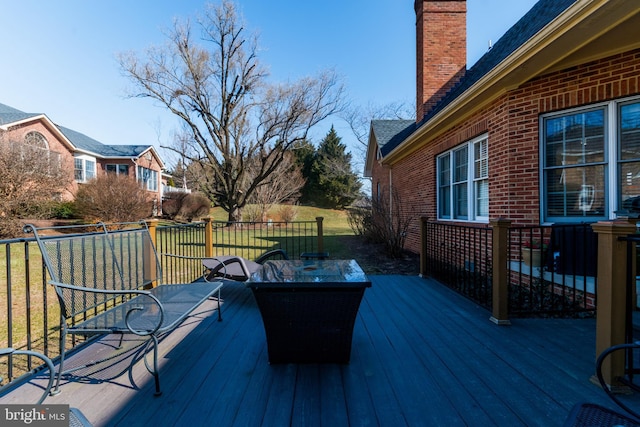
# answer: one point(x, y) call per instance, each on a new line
point(305, 153)
point(332, 182)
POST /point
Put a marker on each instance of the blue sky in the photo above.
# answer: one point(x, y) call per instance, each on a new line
point(59, 56)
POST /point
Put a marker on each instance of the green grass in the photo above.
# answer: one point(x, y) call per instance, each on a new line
point(335, 226)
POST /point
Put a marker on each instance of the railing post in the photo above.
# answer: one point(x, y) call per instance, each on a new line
point(150, 258)
point(500, 286)
point(423, 245)
point(208, 237)
point(611, 302)
point(319, 220)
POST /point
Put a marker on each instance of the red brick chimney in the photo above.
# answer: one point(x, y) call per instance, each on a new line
point(441, 49)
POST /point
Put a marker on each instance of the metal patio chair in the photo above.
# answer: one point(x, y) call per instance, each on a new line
point(76, 418)
point(593, 415)
point(235, 267)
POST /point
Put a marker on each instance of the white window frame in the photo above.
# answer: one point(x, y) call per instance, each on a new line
point(611, 160)
point(150, 181)
point(82, 173)
point(469, 179)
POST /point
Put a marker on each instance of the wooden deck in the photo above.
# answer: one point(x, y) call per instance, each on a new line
point(422, 356)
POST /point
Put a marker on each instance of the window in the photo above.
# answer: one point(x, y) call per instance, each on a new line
point(628, 131)
point(36, 139)
point(590, 161)
point(84, 168)
point(148, 178)
point(117, 169)
point(463, 182)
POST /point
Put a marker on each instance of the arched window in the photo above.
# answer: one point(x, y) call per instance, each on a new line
point(36, 139)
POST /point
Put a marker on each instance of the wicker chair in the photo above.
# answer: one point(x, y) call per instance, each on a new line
point(592, 415)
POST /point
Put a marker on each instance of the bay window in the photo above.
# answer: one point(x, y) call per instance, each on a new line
point(463, 182)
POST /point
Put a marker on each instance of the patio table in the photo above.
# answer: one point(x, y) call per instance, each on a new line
point(308, 308)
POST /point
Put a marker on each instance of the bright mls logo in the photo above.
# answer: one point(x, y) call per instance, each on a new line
point(34, 415)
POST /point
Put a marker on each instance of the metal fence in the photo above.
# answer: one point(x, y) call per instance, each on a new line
point(29, 310)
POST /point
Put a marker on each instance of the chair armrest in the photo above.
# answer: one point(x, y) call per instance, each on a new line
point(45, 359)
point(130, 311)
point(601, 358)
point(272, 254)
point(99, 291)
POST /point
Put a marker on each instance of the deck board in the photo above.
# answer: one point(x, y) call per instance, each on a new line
point(422, 355)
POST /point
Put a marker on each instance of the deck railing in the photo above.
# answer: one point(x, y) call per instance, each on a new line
point(29, 310)
point(550, 269)
point(460, 257)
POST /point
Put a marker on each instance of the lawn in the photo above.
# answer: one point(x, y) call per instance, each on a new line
point(335, 226)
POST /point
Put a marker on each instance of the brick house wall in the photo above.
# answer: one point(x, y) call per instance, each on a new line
point(512, 125)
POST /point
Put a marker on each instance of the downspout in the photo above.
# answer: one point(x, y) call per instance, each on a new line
point(390, 193)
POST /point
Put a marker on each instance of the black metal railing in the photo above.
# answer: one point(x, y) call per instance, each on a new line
point(29, 309)
point(552, 270)
point(251, 239)
point(187, 241)
point(460, 257)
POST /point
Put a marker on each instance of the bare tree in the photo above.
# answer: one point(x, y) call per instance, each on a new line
point(359, 121)
point(217, 87)
point(284, 184)
point(30, 176)
point(359, 118)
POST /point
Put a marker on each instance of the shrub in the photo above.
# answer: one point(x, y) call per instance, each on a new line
point(63, 210)
point(252, 213)
point(113, 198)
point(360, 220)
point(185, 206)
point(287, 213)
point(194, 205)
point(172, 203)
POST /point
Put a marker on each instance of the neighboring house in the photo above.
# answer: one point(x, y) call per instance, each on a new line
point(543, 129)
point(90, 157)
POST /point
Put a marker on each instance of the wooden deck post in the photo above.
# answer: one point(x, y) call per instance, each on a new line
point(208, 237)
point(319, 220)
point(423, 246)
point(612, 281)
point(500, 287)
point(150, 258)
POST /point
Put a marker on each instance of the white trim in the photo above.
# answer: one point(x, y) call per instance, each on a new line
point(472, 216)
point(611, 184)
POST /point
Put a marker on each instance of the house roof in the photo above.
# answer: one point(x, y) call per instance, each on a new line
point(11, 115)
point(533, 21)
point(540, 15)
point(85, 143)
point(553, 35)
point(78, 141)
point(391, 132)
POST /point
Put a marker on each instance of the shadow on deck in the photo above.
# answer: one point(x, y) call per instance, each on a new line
point(422, 356)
